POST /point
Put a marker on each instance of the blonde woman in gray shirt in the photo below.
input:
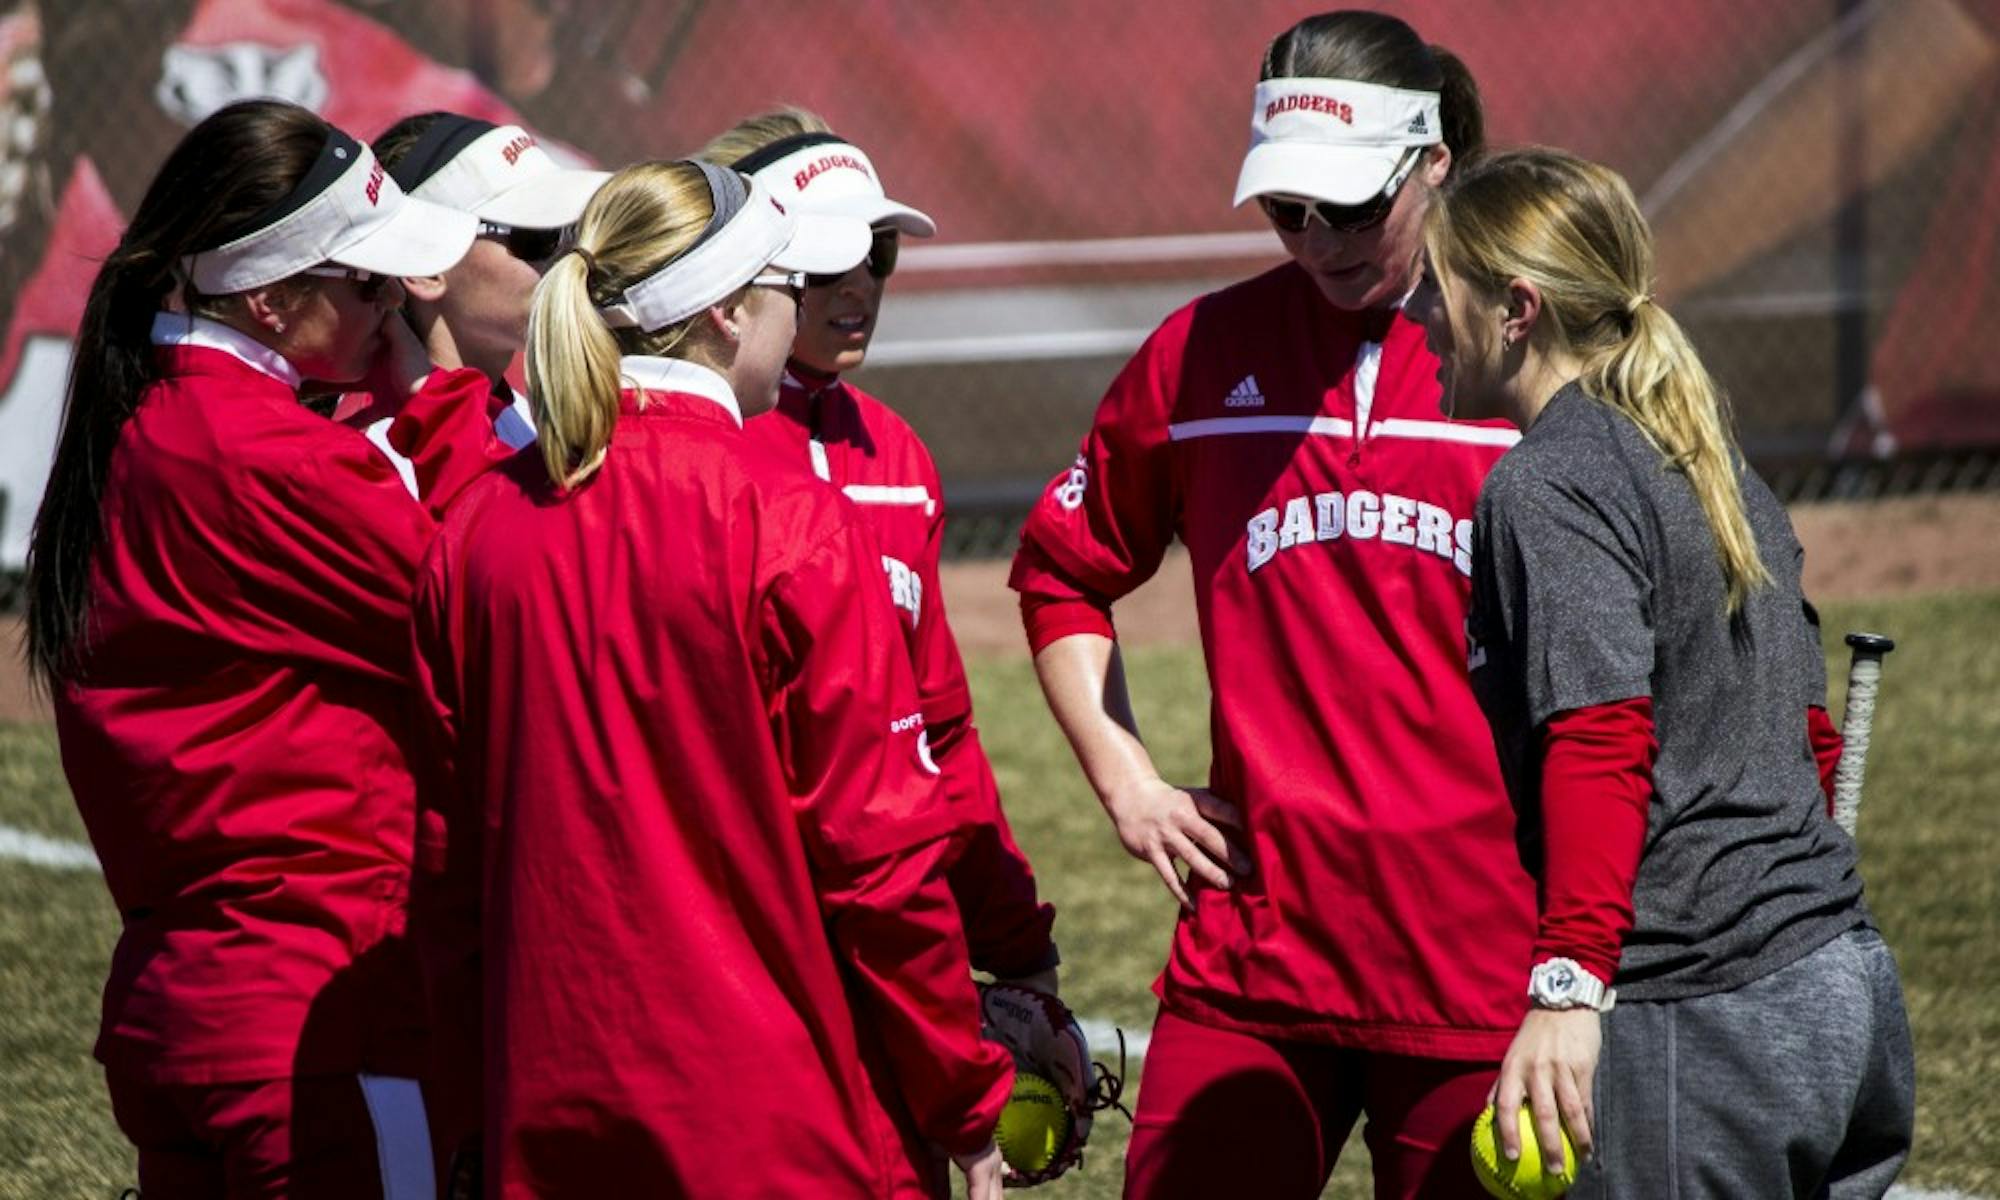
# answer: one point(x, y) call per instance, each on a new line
point(1643, 651)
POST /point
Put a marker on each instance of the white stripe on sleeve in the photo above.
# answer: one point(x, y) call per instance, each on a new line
point(1224, 426)
point(1394, 427)
point(878, 493)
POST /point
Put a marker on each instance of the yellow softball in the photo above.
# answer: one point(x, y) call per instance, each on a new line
point(1524, 1178)
point(1034, 1125)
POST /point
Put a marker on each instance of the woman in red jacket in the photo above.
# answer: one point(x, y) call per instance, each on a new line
point(856, 442)
point(1354, 915)
point(1654, 680)
point(219, 594)
point(689, 821)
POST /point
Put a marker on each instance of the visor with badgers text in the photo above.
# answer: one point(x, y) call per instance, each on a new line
point(820, 174)
point(498, 173)
point(346, 210)
point(1333, 139)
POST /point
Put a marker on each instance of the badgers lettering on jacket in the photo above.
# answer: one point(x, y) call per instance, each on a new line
point(1359, 515)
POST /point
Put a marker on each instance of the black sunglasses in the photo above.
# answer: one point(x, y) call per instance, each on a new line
point(535, 246)
point(881, 260)
point(1293, 215)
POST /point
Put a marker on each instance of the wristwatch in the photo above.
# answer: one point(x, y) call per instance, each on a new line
point(1562, 983)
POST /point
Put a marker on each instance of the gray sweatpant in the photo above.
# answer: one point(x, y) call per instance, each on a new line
point(1802, 1083)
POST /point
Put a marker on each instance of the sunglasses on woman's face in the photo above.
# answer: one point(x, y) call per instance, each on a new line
point(881, 260)
point(367, 284)
point(1292, 214)
point(533, 246)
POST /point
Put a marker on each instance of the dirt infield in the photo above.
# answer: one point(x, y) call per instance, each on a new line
point(1853, 551)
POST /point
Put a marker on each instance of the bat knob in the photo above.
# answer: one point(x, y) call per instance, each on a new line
point(1870, 643)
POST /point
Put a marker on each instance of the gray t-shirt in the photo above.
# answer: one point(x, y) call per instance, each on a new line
point(1595, 579)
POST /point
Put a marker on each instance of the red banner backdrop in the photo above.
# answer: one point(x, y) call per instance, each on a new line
point(1822, 174)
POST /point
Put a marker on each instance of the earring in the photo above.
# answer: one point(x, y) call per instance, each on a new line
point(278, 326)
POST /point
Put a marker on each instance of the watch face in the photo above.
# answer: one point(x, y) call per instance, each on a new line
point(1561, 979)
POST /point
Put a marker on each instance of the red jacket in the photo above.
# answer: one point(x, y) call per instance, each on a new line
point(856, 442)
point(235, 733)
point(1331, 552)
point(692, 854)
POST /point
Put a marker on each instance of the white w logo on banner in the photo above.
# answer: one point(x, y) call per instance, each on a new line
point(197, 80)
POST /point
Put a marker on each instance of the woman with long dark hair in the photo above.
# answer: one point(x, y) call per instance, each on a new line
point(218, 599)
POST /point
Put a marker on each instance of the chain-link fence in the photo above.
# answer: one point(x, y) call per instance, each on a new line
point(1822, 176)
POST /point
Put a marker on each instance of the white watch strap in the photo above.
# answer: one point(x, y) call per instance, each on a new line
point(1563, 983)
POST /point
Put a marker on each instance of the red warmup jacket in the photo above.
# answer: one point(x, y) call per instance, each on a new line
point(1331, 550)
point(691, 854)
point(236, 731)
point(854, 441)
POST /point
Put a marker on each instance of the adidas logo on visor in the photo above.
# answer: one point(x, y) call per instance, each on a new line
point(1419, 125)
point(1245, 394)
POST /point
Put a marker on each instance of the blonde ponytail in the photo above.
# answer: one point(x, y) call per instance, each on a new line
point(1573, 228)
point(572, 373)
point(1655, 377)
point(643, 217)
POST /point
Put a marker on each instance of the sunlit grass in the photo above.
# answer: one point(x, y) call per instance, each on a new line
point(1931, 853)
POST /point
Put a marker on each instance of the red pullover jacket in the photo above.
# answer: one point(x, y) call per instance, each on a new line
point(692, 856)
point(1388, 909)
point(236, 732)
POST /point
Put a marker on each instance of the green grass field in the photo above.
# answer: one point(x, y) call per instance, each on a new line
point(1930, 836)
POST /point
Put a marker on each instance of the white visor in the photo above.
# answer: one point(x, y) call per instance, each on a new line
point(348, 211)
point(505, 177)
point(831, 177)
point(1333, 139)
point(759, 234)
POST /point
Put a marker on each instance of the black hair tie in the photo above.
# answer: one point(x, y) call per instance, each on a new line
point(589, 259)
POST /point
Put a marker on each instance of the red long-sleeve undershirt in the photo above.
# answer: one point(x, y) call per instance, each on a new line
point(1826, 747)
point(1597, 781)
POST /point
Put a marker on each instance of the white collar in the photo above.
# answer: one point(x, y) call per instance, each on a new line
point(645, 373)
point(187, 329)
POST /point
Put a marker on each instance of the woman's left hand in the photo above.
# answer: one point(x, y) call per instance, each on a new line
point(1550, 1066)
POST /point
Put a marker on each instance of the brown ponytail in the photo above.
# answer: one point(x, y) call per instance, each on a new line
point(213, 185)
point(1461, 109)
